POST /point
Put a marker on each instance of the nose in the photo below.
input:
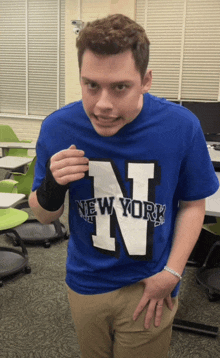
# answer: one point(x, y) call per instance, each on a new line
point(104, 102)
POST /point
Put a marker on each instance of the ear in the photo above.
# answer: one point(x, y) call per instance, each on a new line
point(147, 81)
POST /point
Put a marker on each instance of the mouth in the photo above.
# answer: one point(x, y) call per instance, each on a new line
point(106, 121)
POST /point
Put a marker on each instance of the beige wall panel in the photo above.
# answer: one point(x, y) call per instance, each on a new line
point(72, 86)
point(95, 9)
point(123, 7)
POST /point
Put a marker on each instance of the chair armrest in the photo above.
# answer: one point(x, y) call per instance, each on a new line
point(25, 141)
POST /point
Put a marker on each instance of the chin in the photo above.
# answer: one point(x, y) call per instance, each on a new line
point(105, 133)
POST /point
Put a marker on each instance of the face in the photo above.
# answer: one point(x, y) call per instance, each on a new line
point(112, 90)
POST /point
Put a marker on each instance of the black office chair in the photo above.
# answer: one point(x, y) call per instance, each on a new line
point(32, 231)
point(205, 242)
point(209, 274)
point(12, 261)
point(206, 257)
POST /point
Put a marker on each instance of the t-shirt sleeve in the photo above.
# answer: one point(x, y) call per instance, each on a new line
point(197, 179)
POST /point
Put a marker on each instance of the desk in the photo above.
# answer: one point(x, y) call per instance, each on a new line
point(8, 200)
point(14, 163)
point(212, 207)
point(214, 154)
point(7, 145)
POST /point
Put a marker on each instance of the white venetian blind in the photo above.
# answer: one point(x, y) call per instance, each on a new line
point(185, 47)
point(140, 12)
point(12, 56)
point(42, 56)
point(164, 24)
point(201, 63)
point(61, 84)
point(32, 56)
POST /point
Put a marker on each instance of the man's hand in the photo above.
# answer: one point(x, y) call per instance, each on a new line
point(69, 165)
point(157, 291)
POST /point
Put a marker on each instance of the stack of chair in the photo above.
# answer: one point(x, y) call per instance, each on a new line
point(32, 231)
point(12, 261)
point(208, 275)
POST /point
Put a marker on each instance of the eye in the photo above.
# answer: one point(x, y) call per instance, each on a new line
point(121, 87)
point(92, 85)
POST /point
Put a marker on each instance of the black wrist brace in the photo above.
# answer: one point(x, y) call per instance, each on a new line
point(50, 194)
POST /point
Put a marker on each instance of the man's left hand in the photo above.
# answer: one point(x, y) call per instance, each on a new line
point(157, 291)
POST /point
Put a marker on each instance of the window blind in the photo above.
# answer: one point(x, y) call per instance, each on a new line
point(201, 63)
point(185, 47)
point(140, 12)
point(164, 24)
point(32, 56)
point(62, 99)
point(12, 56)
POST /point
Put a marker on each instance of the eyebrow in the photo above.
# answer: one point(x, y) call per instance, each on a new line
point(113, 83)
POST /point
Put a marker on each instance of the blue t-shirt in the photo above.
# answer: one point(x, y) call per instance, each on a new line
point(122, 214)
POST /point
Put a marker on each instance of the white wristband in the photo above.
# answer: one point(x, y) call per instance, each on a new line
point(166, 268)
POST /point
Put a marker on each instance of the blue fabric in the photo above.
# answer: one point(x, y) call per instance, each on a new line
point(122, 214)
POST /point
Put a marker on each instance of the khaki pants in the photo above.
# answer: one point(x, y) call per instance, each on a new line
point(105, 328)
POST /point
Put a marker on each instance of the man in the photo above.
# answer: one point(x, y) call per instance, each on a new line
point(138, 172)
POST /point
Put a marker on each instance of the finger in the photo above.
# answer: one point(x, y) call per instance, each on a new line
point(70, 170)
point(70, 163)
point(150, 314)
point(158, 313)
point(70, 178)
point(72, 146)
point(169, 302)
point(143, 302)
point(70, 174)
point(66, 153)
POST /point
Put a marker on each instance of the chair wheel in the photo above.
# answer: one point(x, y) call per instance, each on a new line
point(47, 244)
point(197, 281)
point(213, 297)
point(1, 283)
point(27, 269)
point(66, 237)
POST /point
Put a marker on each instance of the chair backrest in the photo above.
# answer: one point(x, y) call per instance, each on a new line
point(25, 181)
point(7, 134)
point(17, 152)
point(214, 228)
point(8, 186)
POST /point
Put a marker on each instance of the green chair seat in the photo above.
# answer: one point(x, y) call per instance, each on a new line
point(10, 218)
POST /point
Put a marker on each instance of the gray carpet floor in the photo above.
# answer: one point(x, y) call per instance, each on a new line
point(35, 318)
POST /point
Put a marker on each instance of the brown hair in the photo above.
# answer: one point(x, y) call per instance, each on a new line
point(112, 35)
